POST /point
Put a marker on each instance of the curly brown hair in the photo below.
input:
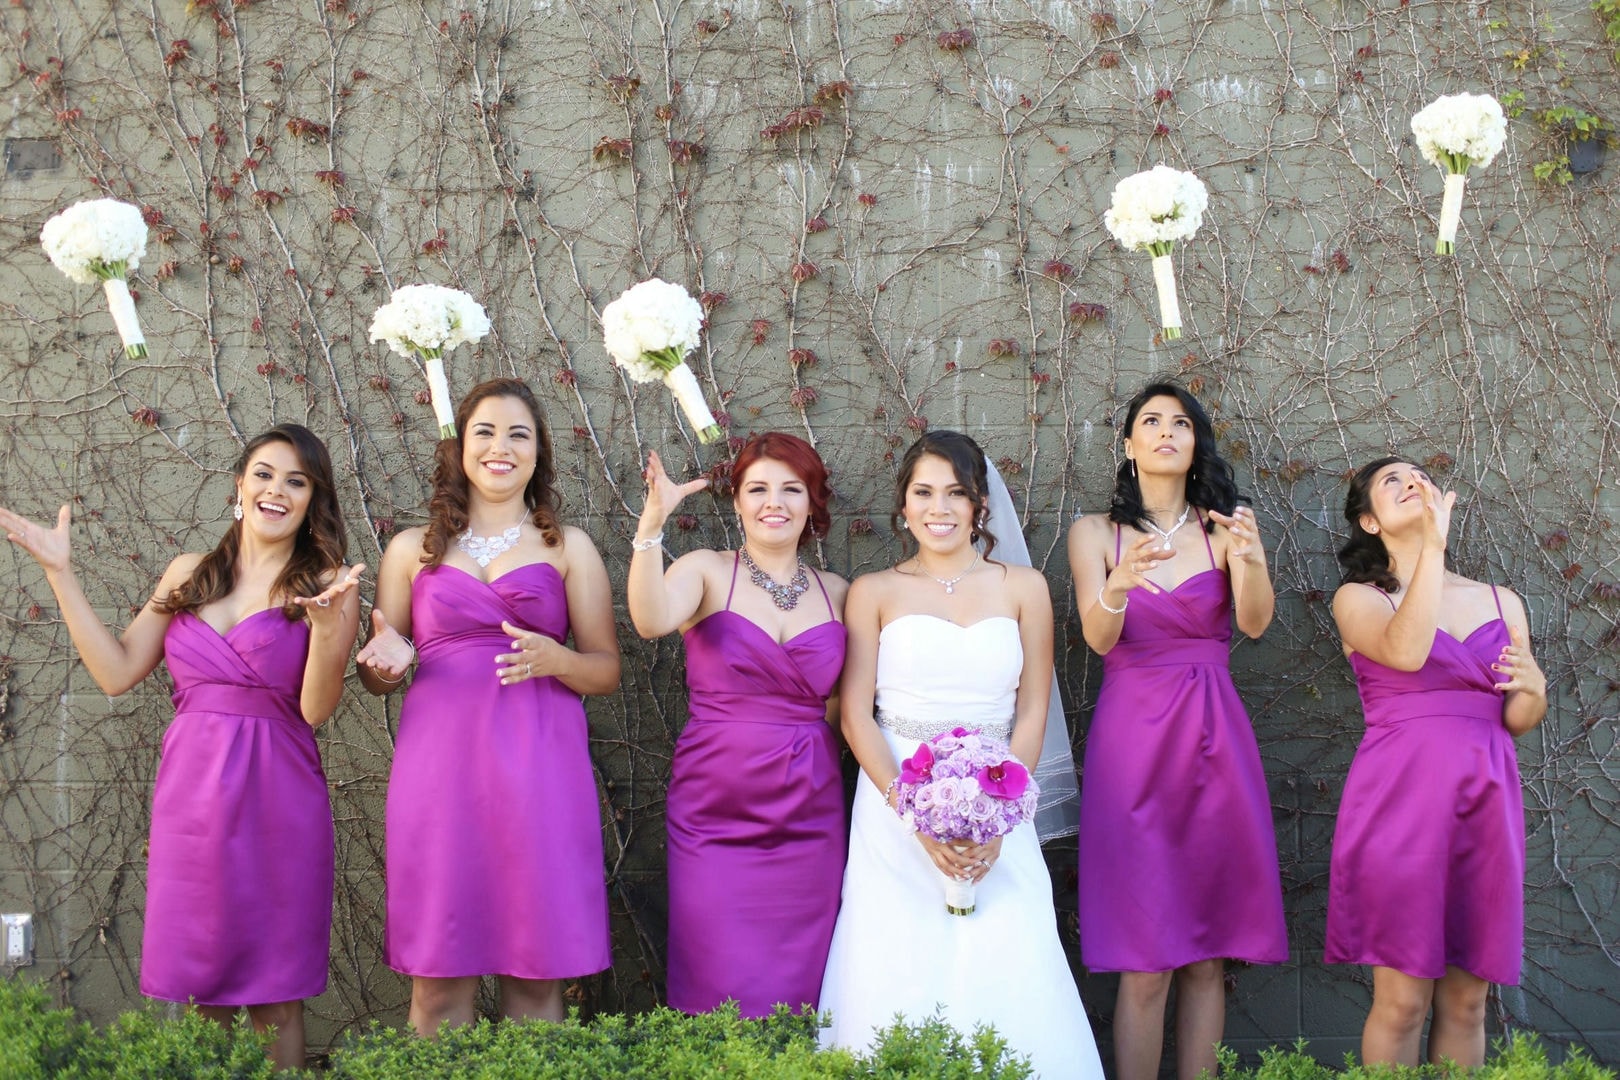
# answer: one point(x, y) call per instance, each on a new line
point(447, 509)
point(320, 546)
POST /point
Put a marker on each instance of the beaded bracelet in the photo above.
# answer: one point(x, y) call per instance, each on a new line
point(1112, 610)
point(647, 544)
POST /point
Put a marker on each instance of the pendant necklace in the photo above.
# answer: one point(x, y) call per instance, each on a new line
point(484, 550)
point(785, 597)
point(950, 585)
point(1166, 534)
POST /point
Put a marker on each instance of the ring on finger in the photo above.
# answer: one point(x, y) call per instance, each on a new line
point(528, 670)
point(323, 601)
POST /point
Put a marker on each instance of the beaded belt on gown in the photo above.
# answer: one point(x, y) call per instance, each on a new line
point(911, 727)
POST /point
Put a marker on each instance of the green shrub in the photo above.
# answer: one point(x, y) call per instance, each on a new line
point(36, 1041)
point(146, 1045)
point(1519, 1057)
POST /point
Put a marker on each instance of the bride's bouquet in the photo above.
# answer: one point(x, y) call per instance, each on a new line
point(963, 787)
point(102, 240)
point(426, 321)
point(648, 331)
point(1150, 212)
point(1454, 132)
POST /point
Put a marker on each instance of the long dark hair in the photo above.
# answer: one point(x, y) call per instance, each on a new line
point(447, 509)
point(967, 462)
point(806, 464)
point(1210, 483)
point(1364, 556)
point(319, 546)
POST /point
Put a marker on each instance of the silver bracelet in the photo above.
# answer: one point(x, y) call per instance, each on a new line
point(408, 663)
point(1112, 610)
point(647, 544)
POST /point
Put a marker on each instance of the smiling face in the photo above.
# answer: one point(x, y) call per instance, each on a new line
point(275, 491)
point(1394, 497)
point(1161, 439)
point(499, 446)
point(773, 503)
point(938, 510)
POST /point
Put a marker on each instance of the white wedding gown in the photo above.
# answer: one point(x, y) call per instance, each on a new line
point(895, 948)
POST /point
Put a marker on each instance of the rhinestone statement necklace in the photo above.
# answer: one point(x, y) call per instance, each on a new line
point(1166, 534)
point(484, 550)
point(785, 597)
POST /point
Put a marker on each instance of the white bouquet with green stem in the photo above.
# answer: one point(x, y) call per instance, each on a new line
point(102, 240)
point(649, 331)
point(425, 322)
point(1150, 212)
point(1452, 133)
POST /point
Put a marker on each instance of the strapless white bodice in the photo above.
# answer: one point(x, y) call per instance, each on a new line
point(932, 673)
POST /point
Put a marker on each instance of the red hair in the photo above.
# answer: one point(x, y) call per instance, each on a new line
point(806, 464)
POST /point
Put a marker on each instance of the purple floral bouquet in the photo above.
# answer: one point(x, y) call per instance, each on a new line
point(963, 788)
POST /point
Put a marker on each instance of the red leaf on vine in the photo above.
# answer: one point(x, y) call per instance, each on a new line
point(866, 199)
point(759, 328)
point(609, 147)
point(804, 271)
point(146, 416)
point(1057, 268)
point(802, 358)
point(802, 397)
point(999, 347)
point(955, 40)
point(816, 225)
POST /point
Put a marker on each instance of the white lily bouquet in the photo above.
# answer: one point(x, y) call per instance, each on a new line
point(102, 240)
point(426, 321)
point(1454, 132)
point(649, 331)
point(1150, 212)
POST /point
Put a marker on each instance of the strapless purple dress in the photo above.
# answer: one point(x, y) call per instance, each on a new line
point(755, 817)
point(494, 826)
point(1428, 853)
point(1178, 855)
point(239, 867)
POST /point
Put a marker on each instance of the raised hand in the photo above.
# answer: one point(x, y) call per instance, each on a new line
point(51, 548)
point(1135, 564)
point(663, 494)
point(321, 609)
point(387, 653)
point(1437, 506)
point(1244, 543)
point(534, 656)
point(1518, 667)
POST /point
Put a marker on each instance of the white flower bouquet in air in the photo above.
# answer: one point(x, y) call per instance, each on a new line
point(425, 322)
point(102, 240)
point(649, 331)
point(1454, 132)
point(1150, 212)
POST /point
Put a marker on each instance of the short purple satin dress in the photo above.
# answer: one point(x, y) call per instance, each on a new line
point(755, 816)
point(494, 825)
point(1428, 853)
point(1178, 855)
point(239, 870)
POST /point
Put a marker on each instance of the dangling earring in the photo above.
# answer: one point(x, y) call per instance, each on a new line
point(906, 525)
point(236, 511)
point(1133, 468)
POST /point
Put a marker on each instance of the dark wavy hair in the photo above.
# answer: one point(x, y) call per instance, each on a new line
point(319, 546)
point(1210, 482)
point(447, 509)
point(806, 464)
point(1364, 557)
point(967, 462)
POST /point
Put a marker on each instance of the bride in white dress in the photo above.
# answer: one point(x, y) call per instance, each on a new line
point(948, 638)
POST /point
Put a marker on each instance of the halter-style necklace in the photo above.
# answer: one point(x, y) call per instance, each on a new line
point(484, 550)
point(950, 585)
point(1166, 534)
point(785, 597)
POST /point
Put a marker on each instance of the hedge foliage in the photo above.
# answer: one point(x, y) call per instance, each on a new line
point(39, 1042)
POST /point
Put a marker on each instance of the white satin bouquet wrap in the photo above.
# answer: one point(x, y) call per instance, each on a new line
point(102, 240)
point(1150, 212)
point(649, 331)
point(1453, 133)
point(425, 322)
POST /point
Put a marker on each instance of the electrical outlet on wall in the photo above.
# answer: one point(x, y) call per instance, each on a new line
point(18, 931)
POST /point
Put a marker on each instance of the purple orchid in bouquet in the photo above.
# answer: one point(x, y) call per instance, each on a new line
point(961, 788)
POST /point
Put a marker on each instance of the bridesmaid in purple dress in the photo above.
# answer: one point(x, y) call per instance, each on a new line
point(494, 827)
point(1178, 856)
point(256, 634)
point(1427, 880)
point(756, 799)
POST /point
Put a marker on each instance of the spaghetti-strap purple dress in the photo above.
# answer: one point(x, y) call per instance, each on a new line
point(755, 816)
point(1178, 856)
point(494, 826)
point(1428, 853)
point(239, 867)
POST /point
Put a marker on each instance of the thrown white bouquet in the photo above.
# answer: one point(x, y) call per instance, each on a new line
point(1150, 212)
point(648, 331)
point(1456, 131)
point(426, 321)
point(102, 240)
